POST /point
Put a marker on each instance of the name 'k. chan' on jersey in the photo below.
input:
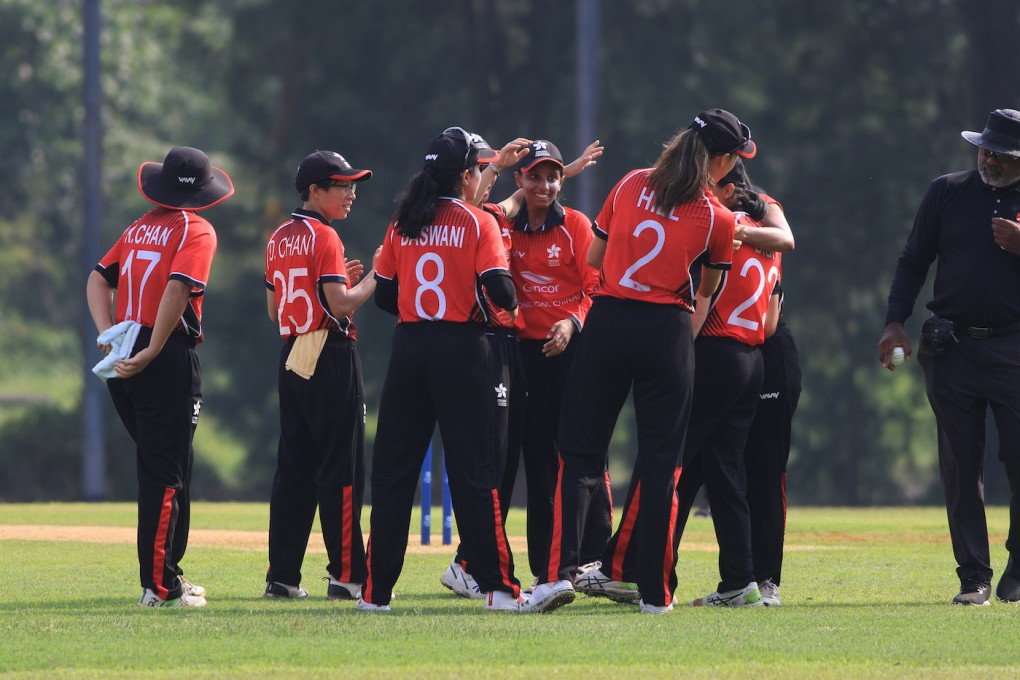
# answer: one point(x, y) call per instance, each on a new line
point(649, 254)
point(437, 272)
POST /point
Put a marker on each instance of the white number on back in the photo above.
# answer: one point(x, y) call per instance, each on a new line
point(290, 292)
point(430, 285)
point(735, 318)
point(152, 257)
point(627, 279)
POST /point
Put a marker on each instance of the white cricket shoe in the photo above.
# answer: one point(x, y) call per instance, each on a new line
point(192, 588)
point(748, 596)
point(655, 608)
point(461, 582)
point(597, 584)
point(498, 600)
point(281, 591)
point(549, 596)
point(769, 593)
point(151, 599)
point(363, 606)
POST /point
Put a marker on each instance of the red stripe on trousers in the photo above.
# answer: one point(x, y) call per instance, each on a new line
point(625, 534)
point(366, 589)
point(782, 485)
point(159, 547)
point(667, 560)
point(501, 547)
point(609, 495)
point(346, 522)
point(556, 541)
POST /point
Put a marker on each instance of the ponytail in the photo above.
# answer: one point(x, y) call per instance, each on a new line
point(681, 172)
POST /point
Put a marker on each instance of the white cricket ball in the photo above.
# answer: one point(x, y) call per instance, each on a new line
point(897, 357)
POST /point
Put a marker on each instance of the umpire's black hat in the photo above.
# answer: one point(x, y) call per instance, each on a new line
point(1001, 133)
point(184, 180)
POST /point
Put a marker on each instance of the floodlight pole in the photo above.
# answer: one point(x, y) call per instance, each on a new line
point(93, 454)
point(587, 94)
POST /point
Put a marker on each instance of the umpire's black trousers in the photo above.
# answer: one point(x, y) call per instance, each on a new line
point(961, 384)
point(159, 408)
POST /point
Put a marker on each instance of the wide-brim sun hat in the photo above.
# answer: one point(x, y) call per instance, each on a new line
point(1001, 133)
point(185, 180)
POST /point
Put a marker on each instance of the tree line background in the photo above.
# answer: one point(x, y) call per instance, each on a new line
point(856, 106)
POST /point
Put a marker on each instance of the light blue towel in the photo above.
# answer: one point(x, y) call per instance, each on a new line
point(121, 339)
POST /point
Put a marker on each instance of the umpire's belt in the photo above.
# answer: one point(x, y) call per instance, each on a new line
point(977, 332)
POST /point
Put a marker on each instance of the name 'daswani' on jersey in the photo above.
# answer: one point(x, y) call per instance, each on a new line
point(437, 235)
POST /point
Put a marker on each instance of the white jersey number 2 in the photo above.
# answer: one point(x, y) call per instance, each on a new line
point(735, 317)
point(627, 279)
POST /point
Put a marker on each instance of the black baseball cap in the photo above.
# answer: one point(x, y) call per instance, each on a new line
point(486, 154)
point(455, 151)
point(319, 166)
point(542, 150)
point(184, 180)
point(723, 133)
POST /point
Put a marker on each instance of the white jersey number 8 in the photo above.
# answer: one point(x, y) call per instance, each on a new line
point(426, 285)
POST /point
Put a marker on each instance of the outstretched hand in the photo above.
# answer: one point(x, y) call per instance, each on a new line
point(588, 157)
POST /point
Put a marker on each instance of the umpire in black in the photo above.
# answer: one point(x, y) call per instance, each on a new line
point(970, 346)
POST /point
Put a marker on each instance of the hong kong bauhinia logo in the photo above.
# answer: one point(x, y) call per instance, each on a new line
point(501, 391)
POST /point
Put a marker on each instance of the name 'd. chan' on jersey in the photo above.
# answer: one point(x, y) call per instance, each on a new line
point(437, 235)
point(285, 246)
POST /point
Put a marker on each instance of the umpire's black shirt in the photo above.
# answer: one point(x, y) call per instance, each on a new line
point(976, 282)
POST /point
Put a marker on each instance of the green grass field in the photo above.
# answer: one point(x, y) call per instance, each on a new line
point(865, 595)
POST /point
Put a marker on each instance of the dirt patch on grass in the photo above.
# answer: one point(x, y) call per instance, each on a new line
point(259, 540)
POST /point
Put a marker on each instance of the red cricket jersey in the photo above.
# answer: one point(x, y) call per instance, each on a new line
point(741, 304)
point(302, 254)
point(499, 317)
point(161, 245)
point(550, 270)
point(649, 255)
point(437, 272)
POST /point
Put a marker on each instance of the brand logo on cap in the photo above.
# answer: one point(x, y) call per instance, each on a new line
point(699, 122)
point(186, 180)
point(432, 157)
point(540, 146)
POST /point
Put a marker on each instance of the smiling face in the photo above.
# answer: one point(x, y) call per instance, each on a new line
point(333, 201)
point(541, 184)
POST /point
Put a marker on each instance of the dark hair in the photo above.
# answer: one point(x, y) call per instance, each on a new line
point(745, 198)
point(324, 184)
point(418, 203)
point(681, 172)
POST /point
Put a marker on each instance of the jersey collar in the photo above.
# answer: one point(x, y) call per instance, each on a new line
point(303, 212)
point(553, 219)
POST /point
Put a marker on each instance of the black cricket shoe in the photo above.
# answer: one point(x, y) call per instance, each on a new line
point(973, 591)
point(1008, 588)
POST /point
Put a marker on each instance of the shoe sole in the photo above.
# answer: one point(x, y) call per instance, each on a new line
point(621, 597)
point(554, 602)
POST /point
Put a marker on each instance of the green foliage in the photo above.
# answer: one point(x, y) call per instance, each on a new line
point(856, 106)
